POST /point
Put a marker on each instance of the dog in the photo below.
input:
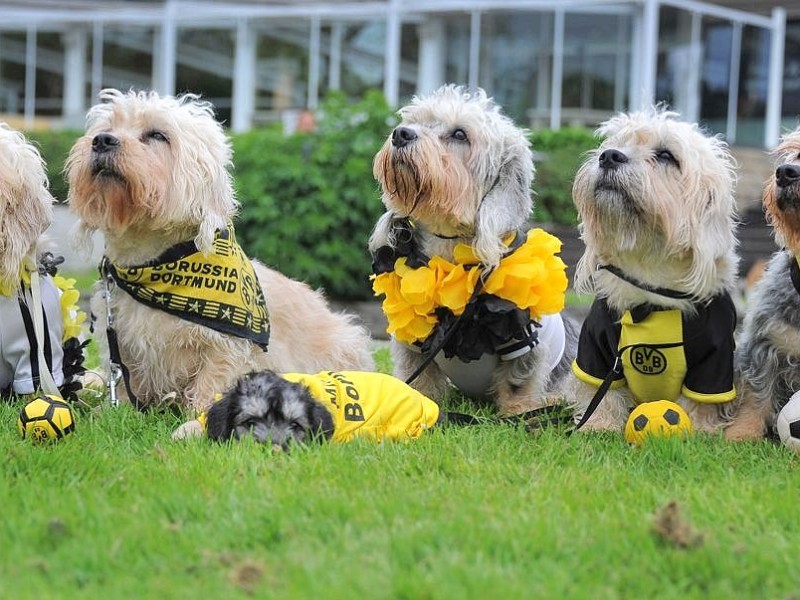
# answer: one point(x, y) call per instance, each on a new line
point(30, 289)
point(456, 177)
point(769, 345)
point(287, 409)
point(152, 173)
point(657, 213)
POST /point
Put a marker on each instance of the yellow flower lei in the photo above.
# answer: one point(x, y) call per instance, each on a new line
point(532, 277)
point(71, 314)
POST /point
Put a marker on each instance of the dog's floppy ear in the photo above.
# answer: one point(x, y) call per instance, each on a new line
point(22, 224)
point(507, 204)
point(219, 420)
point(26, 206)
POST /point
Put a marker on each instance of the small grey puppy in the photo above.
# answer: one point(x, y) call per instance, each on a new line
point(272, 410)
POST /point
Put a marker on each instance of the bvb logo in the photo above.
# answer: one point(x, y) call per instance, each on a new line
point(248, 287)
point(39, 434)
point(648, 360)
point(133, 274)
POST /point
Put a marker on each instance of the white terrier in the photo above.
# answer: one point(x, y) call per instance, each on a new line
point(456, 179)
point(27, 290)
point(657, 215)
point(152, 173)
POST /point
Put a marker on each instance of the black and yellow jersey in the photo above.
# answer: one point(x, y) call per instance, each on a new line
point(370, 404)
point(664, 353)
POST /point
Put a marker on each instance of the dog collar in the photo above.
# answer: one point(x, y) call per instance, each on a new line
point(422, 301)
point(660, 291)
point(218, 289)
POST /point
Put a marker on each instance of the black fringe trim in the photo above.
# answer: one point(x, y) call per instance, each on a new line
point(488, 322)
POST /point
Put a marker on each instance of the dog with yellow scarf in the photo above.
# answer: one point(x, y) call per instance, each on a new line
point(185, 310)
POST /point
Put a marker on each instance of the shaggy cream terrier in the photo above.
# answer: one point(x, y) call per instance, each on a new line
point(151, 173)
point(657, 214)
point(25, 213)
point(769, 347)
point(456, 180)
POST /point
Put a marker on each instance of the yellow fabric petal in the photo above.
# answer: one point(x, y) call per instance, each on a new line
point(456, 289)
point(465, 255)
point(532, 277)
point(417, 286)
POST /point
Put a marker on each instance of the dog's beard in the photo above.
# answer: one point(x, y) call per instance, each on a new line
point(613, 209)
point(271, 410)
point(788, 199)
point(113, 191)
point(782, 206)
point(433, 187)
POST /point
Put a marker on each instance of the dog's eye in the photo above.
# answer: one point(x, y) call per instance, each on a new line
point(159, 136)
point(460, 135)
point(666, 156)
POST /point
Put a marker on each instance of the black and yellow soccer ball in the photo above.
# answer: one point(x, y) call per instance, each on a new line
point(45, 419)
point(660, 418)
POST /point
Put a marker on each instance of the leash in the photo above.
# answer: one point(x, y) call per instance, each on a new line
point(616, 369)
point(117, 368)
point(46, 380)
point(449, 333)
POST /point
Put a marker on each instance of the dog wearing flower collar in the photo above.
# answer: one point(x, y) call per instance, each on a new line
point(657, 213)
point(39, 318)
point(470, 294)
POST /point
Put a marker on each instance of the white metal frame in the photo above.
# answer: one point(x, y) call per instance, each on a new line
point(168, 17)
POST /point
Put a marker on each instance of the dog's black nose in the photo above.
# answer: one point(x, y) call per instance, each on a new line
point(611, 159)
point(104, 142)
point(786, 175)
point(402, 136)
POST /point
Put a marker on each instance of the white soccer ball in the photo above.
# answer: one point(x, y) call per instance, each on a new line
point(788, 423)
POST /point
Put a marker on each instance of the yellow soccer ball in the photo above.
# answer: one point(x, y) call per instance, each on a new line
point(45, 419)
point(660, 418)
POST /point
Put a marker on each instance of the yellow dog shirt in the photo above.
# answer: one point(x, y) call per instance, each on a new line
point(370, 404)
point(367, 404)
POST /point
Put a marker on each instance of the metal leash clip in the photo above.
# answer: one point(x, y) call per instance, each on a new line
point(115, 371)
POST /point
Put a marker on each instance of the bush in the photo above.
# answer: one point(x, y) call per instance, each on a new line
point(560, 153)
point(54, 147)
point(309, 200)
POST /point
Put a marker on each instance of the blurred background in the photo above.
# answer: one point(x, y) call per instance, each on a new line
point(308, 89)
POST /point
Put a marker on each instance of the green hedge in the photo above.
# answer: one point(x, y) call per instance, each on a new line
point(559, 154)
point(309, 201)
point(54, 147)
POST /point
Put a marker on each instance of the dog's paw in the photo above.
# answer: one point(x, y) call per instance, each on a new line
point(190, 429)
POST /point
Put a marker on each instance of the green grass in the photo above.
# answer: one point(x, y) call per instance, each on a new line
point(119, 510)
point(492, 511)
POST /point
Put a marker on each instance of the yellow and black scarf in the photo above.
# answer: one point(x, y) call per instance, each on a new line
point(218, 289)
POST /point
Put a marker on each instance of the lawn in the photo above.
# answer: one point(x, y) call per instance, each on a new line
point(119, 510)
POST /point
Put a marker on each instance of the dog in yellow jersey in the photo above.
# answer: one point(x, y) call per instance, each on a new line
point(296, 408)
point(657, 215)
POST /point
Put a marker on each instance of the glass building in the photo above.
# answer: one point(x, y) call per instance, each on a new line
point(733, 65)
